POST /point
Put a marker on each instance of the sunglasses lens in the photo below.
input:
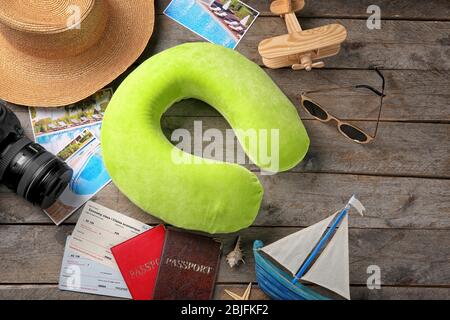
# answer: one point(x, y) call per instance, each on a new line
point(353, 133)
point(315, 110)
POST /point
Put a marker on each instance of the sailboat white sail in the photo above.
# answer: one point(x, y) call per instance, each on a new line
point(319, 254)
point(331, 269)
point(292, 251)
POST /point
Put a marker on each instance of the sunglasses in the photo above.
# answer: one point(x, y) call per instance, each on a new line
point(347, 129)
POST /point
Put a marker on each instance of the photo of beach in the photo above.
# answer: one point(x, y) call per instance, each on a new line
point(223, 22)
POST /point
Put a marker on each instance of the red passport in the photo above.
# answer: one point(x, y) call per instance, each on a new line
point(138, 260)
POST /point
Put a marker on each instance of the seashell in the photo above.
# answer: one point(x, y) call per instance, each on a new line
point(235, 256)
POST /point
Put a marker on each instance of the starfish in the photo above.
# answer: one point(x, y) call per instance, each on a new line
point(245, 296)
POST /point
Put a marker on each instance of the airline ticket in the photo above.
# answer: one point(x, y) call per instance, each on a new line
point(79, 274)
point(99, 229)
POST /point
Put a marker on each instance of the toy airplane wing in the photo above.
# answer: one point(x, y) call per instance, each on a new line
point(291, 60)
point(331, 35)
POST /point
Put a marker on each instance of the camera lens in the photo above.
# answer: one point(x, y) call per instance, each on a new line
point(34, 173)
point(26, 167)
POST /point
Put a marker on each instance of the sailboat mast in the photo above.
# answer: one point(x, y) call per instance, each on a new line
point(320, 245)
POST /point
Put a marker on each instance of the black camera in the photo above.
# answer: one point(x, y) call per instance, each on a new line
point(26, 167)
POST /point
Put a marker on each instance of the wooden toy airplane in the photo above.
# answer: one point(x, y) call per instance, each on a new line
point(300, 49)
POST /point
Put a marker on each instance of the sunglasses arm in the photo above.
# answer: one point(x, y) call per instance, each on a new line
point(382, 95)
point(364, 86)
point(327, 89)
point(379, 117)
point(360, 86)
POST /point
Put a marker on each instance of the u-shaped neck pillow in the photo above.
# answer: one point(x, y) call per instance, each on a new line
point(209, 196)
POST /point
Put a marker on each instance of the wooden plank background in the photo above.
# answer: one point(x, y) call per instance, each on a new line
point(403, 177)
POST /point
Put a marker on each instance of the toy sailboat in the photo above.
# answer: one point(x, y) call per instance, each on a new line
point(318, 255)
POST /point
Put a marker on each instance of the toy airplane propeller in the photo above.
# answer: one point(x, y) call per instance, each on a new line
point(300, 49)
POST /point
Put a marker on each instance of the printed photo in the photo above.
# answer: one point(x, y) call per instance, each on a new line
point(54, 128)
point(223, 22)
point(76, 145)
point(83, 155)
point(73, 133)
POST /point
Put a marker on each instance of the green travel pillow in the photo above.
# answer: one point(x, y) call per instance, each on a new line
point(210, 196)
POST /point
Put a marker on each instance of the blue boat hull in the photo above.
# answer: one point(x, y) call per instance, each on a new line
point(277, 283)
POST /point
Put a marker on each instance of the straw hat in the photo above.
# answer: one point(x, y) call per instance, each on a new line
point(57, 52)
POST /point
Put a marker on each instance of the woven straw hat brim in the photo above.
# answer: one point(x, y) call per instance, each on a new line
point(51, 82)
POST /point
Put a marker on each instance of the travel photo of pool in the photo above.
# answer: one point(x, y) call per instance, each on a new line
point(223, 22)
point(73, 133)
point(83, 155)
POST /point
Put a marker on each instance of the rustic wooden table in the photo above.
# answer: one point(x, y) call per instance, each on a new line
point(402, 178)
